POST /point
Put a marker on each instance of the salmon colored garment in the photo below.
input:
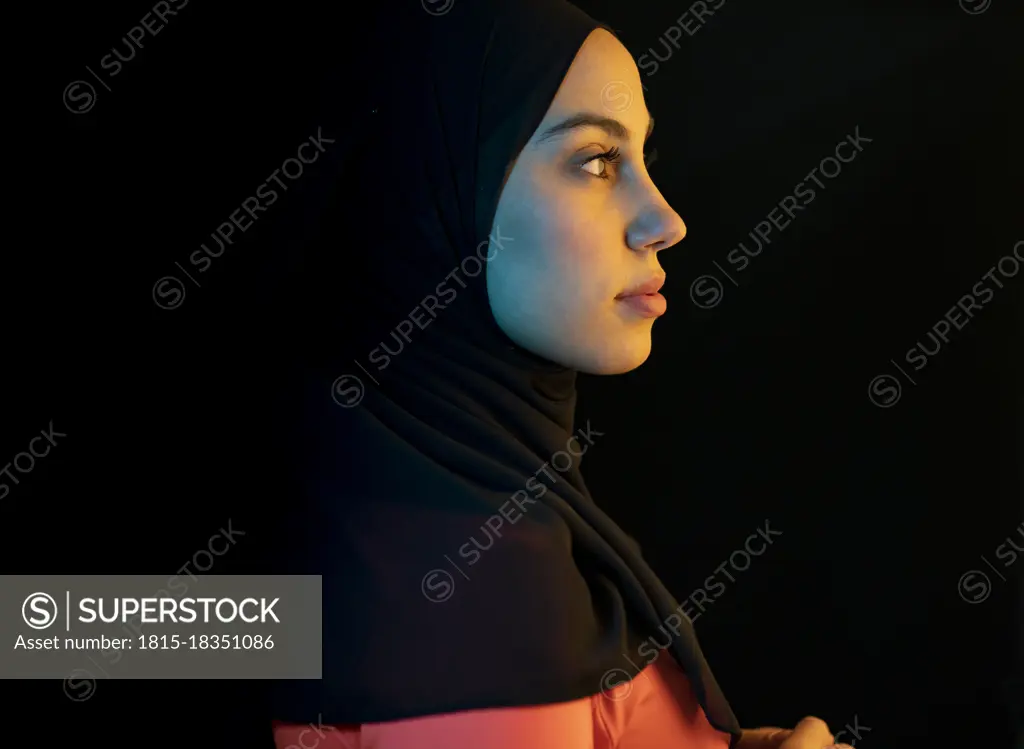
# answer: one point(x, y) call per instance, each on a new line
point(656, 710)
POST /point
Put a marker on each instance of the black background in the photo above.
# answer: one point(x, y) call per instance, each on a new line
point(755, 410)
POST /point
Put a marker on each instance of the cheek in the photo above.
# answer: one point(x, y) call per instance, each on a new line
point(577, 244)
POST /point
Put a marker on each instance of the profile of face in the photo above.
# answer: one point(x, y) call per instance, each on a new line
point(587, 223)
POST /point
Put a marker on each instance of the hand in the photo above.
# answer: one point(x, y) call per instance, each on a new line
point(810, 733)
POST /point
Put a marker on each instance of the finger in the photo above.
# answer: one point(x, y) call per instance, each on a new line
point(763, 738)
point(810, 733)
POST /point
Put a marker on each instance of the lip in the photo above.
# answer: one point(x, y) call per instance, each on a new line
point(645, 298)
point(651, 286)
point(648, 305)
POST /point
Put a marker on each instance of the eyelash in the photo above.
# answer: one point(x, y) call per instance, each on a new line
point(611, 156)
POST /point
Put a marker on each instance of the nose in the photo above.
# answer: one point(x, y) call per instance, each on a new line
point(657, 228)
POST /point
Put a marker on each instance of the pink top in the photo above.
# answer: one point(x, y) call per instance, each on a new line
point(655, 710)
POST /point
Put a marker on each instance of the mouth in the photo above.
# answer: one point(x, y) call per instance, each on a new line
point(648, 288)
point(645, 299)
point(647, 305)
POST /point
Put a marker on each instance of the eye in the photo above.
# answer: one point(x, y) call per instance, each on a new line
point(596, 166)
point(602, 161)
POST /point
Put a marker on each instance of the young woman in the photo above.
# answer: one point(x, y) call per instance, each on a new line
point(503, 235)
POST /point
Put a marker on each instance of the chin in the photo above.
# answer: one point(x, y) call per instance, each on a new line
point(630, 354)
point(606, 351)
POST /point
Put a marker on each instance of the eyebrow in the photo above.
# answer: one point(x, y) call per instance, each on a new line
point(614, 128)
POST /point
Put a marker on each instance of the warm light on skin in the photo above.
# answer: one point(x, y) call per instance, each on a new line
point(580, 240)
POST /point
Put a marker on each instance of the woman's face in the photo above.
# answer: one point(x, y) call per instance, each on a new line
point(584, 228)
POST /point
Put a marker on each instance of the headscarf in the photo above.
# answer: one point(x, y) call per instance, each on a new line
point(465, 564)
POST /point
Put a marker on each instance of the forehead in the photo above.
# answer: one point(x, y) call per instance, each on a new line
point(603, 80)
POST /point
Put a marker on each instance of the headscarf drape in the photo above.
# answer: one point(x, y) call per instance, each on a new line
point(465, 563)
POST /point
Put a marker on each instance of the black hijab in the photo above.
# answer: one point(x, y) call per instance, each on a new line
point(443, 593)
